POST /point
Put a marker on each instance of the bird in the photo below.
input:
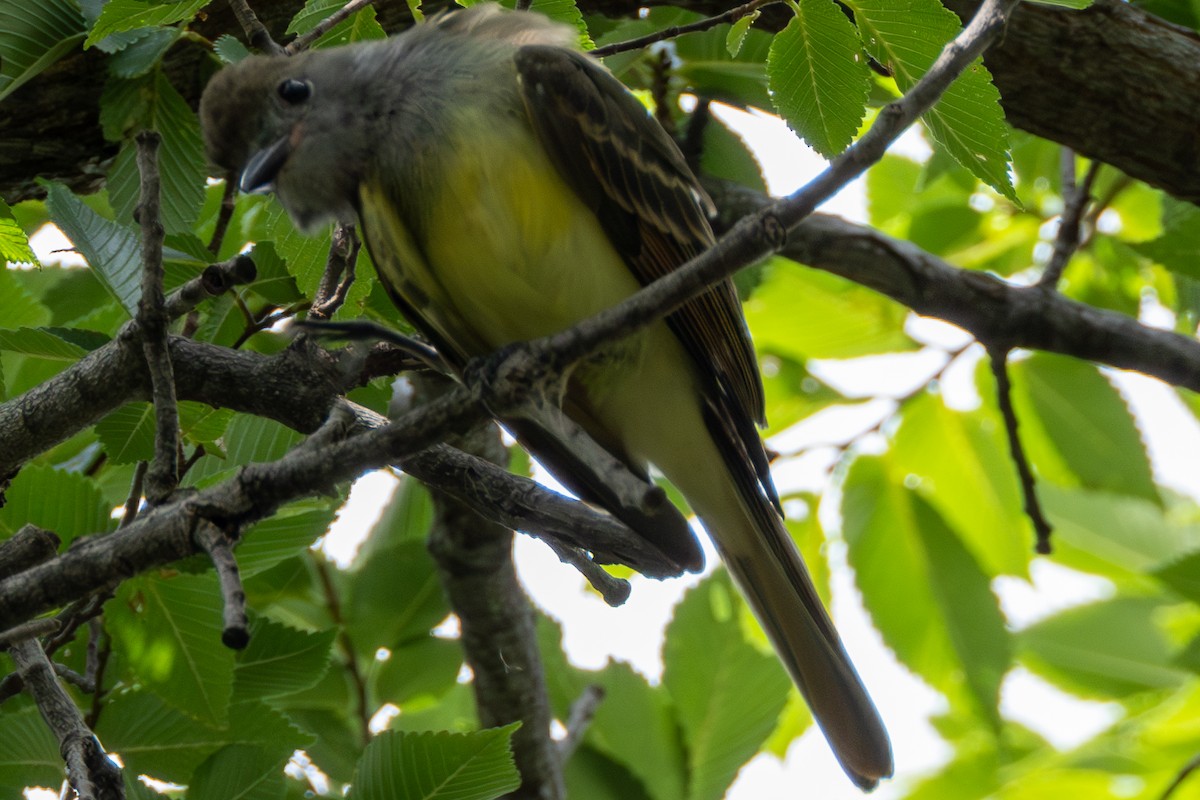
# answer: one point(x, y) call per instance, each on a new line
point(508, 186)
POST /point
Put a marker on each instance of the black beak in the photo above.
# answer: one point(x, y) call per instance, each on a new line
point(259, 174)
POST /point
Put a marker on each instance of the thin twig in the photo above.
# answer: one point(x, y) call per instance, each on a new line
point(28, 630)
point(1188, 768)
point(306, 40)
point(579, 719)
point(614, 590)
point(225, 214)
point(356, 676)
point(759, 235)
point(163, 475)
point(1033, 508)
point(235, 633)
point(1076, 198)
point(216, 279)
point(675, 31)
point(134, 501)
point(256, 32)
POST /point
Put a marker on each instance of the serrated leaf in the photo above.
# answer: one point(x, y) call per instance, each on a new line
point(818, 76)
point(41, 343)
point(313, 12)
point(111, 250)
point(33, 36)
point(230, 49)
point(14, 244)
point(156, 739)
point(1183, 575)
point(804, 314)
point(1111, 534)
point(962, 467)
point(141, 55)
point(18, 307)
point(1086, 422)
point(128, 433)
point(239, 772)
point(394, 597)
point(68, 503)
point(278, 538)
point(948, 629)
point(419, 670)
point(1078, 650)
point(181, 161)
point(568, 13)
point(280, 660)
point(448, 766)
point(28, 750)
point(119, 16)
point(1178, 247)
point(737, 33)
point(169, 630)
point(968, 120)
point(274, 283)
point(635, 726)
point(727, 693)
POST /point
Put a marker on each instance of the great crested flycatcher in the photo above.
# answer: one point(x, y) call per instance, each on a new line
point(508, 187)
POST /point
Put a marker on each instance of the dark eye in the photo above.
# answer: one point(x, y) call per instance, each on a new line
point(294, 92)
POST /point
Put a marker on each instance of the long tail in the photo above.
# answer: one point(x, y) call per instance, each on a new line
point(764, 562)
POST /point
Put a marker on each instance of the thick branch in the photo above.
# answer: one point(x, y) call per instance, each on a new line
point(499, 639)
point(1094, 81)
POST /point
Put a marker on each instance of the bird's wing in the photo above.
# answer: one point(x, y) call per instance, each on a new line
point(633, 177)
point(397, 255)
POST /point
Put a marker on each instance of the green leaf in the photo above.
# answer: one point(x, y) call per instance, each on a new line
point(968, 121)
point(239, 772)
point(1178, 248)
point(230, 49)
point(1183, 575)
point(111, 250)
point(313, 12)
point(971, 612)
point(1079, 649)
point(128, 433)
point(960, 464)
point(169, 630)
point(155, 739)
point(727, 693)
point(42, 343)
point(1112, 534)
point(278, 538)
point(280, 660)
point(948, 629)
point(14, 244)
point(636, 727)
point(737, 33)
point(448, 766)
point(28, 751)
point(274, 282)
point(181, 161)
point(1085, 421)
point(68, 503)
point(119, 16)
point(143, 54)
point(18, 307)
point(1077, 5)
point(33, 36)
point(818, 76)
point(393, 598)
point(802, 313)
point(425, 668)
